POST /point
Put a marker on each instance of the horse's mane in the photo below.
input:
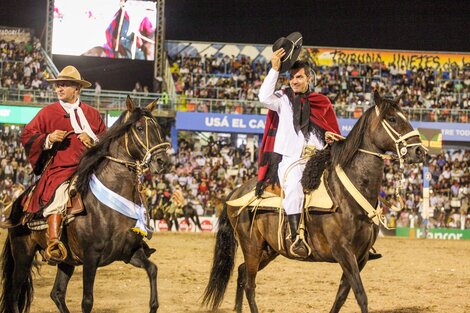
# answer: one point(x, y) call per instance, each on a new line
point(343, 152)
point(96, 154)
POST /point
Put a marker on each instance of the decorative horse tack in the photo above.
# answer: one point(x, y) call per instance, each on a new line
point(101, 236)
point(344, 237)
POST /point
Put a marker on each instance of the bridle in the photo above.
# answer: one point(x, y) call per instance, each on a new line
point(401, 147)
point(141, 166)
point(401, 143)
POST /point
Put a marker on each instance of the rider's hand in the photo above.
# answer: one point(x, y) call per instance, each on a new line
point(276, 58)
point(329, 140)
point(57, 136)
point(86, 140)
point(332, 137)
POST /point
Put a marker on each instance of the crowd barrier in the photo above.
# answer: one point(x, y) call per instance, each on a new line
point(208, 224)
point(430, 233)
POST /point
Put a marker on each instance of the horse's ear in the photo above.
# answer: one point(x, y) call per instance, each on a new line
point(151, 105)
point(400, 96)
point(130, 104)
point(377, 98)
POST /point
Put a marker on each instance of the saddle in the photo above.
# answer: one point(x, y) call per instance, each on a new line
point(318, 200)
point(74, 207)
point(36, 221)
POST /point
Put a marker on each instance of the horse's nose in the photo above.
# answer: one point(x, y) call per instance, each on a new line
point(421, 152)
point(163, 162)
point(418, 154)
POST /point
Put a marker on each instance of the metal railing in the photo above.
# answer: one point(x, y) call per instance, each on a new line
point(170, 83)
point(109, 100)
point(105, 100)
point(50, 64)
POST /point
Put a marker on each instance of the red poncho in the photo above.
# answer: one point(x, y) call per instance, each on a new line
point(321, 113)
point(65, 161)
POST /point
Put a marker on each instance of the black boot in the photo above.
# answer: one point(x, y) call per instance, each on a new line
point(299, 247)
point(294, 220)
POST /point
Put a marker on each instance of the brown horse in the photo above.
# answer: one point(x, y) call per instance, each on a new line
point(100, 235)
point(344, 236)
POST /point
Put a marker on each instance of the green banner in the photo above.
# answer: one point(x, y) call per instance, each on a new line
point(434, 233)
point(114, 113)
point(431, 139)
point(17, 114)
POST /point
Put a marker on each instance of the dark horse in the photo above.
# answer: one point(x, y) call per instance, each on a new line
point(101, 235)
point(343, 237)
point(190, 213)
point(187, 211)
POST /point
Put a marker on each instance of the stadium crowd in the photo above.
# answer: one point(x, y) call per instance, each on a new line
point(439, 92)
point(208, 170)
point(219, 83)
point(449, 185)
point(22, 66)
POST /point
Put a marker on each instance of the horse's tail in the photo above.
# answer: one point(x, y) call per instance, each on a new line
point(223, 262)
point(26, 289)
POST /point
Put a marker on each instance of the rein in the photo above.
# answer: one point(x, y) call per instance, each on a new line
point(383, 156)
point(376, 214)
point(401, 146)
point(141, 166)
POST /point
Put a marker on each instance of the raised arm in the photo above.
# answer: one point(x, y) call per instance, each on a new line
point(266, 92)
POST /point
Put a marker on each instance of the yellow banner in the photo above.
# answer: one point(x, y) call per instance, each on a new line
point(407, 59)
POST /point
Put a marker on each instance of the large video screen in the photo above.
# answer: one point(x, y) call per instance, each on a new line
point(105, 28)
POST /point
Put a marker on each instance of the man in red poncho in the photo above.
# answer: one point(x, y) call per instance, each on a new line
point(54, 142)
point(297, 118)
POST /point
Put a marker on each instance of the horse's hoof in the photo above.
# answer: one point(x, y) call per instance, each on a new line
point(147, 250)
point(374, 256)
point(150, 251)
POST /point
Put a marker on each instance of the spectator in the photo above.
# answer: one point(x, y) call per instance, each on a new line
point(97, 94)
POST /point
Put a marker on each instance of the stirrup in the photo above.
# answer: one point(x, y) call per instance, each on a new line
point(305, 245)
point(55, 245)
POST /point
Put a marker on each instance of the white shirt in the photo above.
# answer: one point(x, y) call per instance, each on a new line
point(287, 142)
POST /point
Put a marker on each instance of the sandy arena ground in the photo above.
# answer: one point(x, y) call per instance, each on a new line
point(414, 276)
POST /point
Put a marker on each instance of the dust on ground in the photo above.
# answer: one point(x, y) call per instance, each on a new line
point(414, 276)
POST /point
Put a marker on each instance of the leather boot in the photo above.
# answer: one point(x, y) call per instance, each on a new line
point(299, 247)
point(55, 251)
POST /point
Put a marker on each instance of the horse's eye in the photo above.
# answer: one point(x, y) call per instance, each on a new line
point(392, 119)
point(140, 128)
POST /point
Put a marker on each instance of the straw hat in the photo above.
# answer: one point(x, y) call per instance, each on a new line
point(70, 74)
point(292, 44)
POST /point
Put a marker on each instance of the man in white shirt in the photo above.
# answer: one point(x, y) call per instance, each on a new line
point(303, 119)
